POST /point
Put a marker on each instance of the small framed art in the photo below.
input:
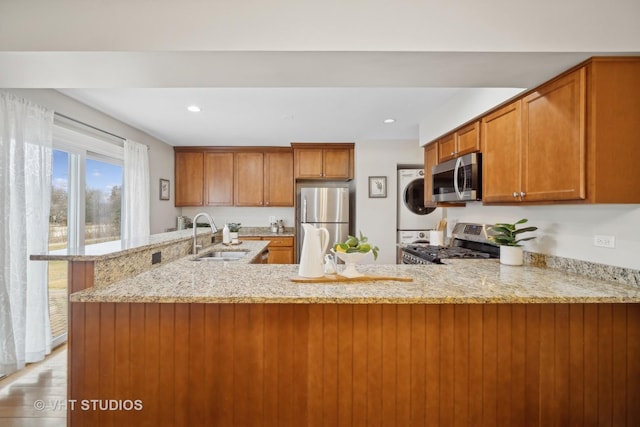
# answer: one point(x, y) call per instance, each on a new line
point(377, 186)
point(164, 189)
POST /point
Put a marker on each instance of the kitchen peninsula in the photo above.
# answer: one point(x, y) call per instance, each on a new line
point(471, 343)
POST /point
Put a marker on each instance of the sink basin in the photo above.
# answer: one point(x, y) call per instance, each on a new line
point(222, 256)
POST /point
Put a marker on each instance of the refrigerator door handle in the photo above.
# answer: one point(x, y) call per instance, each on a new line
point(304, 210)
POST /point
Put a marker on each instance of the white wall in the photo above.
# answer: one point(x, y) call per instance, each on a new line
point(377, 217)
point(568, 230)
point(248, 217)
point(460, 108)
point(163, 212)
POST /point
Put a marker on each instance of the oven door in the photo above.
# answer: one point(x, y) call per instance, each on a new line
point(458, 180)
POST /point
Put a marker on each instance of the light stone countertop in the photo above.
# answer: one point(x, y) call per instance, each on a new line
point(458, 282)
point(118, 248)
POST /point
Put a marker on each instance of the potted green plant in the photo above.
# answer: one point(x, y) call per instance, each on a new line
point(233, 232)
point(508, 236)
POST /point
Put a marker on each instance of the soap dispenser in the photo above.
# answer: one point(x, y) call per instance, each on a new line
point(226, 235)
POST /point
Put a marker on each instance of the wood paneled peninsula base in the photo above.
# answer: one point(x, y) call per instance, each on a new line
point(469, 343)
point(361, 364)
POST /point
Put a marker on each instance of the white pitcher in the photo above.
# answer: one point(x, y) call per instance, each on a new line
point(314, 246)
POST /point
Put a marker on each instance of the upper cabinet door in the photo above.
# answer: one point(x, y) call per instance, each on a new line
point(447, 148)
point(309, 163)
point(189, 178)
point(323, 161)
point(249, 179)
point(553, 140)
point(278, 185)
point(501, 154)
point(338, 163)
point(460, 142)
point(468, 139)
point(218, 179)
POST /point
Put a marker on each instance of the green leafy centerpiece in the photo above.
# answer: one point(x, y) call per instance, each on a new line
point(351, 251)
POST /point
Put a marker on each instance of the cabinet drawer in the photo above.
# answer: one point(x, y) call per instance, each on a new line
point(280, 241)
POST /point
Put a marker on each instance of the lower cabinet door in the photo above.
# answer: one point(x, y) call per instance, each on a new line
point(280, 255)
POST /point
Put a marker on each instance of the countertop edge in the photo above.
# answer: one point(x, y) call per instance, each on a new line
point(359, 301)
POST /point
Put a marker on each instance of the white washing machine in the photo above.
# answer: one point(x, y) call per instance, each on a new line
point(412, 215)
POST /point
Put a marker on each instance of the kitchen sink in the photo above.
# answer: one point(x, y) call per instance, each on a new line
point(222, 256)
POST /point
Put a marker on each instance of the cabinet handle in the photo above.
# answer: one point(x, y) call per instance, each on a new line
point(515, 194)
point(522, 194)
point(453, 153)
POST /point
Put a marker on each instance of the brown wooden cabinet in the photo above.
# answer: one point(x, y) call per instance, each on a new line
point(281, 249)
point(323, 161)
point(218, 178)
point(278, 178)
point(189, 178)
point(501, 154)
point(553, 140)
point(430, 160)
point(249, 179)
point(533, 149)
point(234, 176)
point(463, 141)
point(573, 139)
point(264, 178)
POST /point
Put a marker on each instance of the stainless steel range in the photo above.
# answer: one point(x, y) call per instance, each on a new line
point(468, 240)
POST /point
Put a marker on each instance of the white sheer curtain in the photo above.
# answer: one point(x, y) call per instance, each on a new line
point(25, 199)
point(135, 205)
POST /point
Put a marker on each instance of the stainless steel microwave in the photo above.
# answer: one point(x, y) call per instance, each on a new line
point(458, 180)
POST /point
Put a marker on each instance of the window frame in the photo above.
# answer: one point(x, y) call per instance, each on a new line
point(82, 144)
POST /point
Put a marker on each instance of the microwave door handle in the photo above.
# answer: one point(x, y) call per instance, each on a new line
point(456, 185)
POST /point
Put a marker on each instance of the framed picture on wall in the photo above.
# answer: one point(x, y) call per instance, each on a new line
point(164, 189)
point(377, 186)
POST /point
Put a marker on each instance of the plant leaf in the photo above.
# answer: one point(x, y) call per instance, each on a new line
point(525, 230)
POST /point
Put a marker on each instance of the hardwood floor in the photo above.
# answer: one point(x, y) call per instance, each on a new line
point(36, 396)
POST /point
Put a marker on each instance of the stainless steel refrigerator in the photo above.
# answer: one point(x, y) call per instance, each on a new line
point(326, 207)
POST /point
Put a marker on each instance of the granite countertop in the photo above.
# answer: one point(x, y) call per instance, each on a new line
point(264, 232)
point(458, 282)
point(118, 248)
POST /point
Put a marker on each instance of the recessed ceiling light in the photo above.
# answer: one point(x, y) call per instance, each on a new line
point(389, 121)
point(193, 108)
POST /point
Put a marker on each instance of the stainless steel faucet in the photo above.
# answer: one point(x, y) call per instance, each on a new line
point(214, 229)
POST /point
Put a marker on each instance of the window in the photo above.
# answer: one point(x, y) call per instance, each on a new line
point(85, 205)
point(103, 201)
point(58, 239)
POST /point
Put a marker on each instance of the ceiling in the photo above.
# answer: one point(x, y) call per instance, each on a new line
point(274, 98)
point(286, 70)
point(282, 98)
point(268, 116)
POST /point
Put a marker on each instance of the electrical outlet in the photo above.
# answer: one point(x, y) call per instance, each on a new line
point(272, 219)
point(604, 241)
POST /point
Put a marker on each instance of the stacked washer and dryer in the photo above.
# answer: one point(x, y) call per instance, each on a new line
point(414, 219)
